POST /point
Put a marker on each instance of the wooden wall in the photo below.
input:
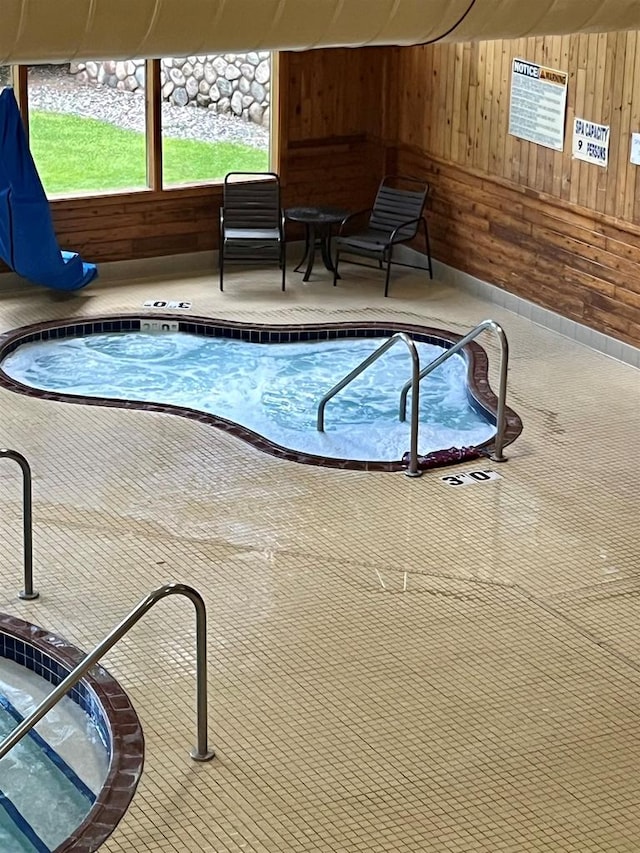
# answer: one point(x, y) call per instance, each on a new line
point(138, 224)
point(558, 231)
point(332, 114)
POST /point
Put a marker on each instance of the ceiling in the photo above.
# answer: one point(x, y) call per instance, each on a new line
point(36, 31)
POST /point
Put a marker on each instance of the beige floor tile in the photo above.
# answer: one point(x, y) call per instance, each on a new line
point(488, 700)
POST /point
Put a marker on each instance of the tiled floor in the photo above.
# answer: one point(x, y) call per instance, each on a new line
point(492, 705)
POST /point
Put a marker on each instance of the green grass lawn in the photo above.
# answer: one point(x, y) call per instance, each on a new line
point(77, 154)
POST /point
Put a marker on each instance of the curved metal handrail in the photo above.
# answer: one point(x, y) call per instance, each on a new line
point(201, 751)
point(412, 470)
point(28, 593)
point(497, 455)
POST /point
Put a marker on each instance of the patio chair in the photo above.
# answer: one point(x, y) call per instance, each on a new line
point(396, 217)
point(251, 221)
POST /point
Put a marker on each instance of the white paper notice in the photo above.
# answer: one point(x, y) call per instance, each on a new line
point(538, 104)
point(591, 142)
point(635, 149)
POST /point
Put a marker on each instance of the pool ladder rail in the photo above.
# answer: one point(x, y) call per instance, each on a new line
point(201, 751)
point(413, 385)
point(28, 593)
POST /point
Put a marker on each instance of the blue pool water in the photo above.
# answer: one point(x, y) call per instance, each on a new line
point(49, 780)
point(42, 800)
point(272, 389)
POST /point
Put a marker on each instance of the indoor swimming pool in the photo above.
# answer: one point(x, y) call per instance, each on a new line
point(264, 385)
point(66, 784)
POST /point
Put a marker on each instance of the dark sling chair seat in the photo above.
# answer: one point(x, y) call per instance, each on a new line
point(252, 221)
point(396, 217)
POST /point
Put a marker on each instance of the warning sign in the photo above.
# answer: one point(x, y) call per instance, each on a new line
point(591, 142)
point(538, 103)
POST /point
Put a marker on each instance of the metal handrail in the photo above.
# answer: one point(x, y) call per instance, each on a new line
point(200, 752)
point(412, 470)
point(28, 593)
point(497, 455)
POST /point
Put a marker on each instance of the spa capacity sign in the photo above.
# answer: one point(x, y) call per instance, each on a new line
point(538, 104)
point(591, 142)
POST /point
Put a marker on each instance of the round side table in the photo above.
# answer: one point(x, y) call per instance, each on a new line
point(318, 223)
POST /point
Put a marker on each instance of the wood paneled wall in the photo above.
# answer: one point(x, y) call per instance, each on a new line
point(461, 113)
point(559, 231)
point(332, 93)
point(138, 224)
point(331, 119)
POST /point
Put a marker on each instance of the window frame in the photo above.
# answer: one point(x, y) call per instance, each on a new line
point(153, 131)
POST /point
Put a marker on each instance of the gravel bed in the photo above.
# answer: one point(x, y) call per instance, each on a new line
point(126, 110)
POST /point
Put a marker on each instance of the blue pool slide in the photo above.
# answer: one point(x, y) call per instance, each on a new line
point(28, 242)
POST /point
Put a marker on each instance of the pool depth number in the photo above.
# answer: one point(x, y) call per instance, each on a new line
point(469, 478)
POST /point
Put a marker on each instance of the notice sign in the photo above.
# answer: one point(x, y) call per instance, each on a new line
point(591, 142)
point(538, 104)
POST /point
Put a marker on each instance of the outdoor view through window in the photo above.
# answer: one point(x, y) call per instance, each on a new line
point(86, 127)
point(87, 121)
point(215, 115)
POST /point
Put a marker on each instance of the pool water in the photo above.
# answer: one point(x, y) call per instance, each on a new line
point(50, 779)
point(273, 389)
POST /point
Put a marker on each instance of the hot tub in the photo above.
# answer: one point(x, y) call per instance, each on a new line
point(52, 799)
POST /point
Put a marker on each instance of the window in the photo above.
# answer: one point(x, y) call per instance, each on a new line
point(86, 126)
point(5, 76)
point(113, 126)
point(215, 116)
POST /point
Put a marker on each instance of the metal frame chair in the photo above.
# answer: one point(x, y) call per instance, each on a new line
point(396, 217)
point(252, 221)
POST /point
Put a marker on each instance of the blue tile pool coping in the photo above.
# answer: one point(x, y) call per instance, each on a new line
point(479, 392)
point(106, 703)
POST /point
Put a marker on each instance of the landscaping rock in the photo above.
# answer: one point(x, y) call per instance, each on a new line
point(249, 74)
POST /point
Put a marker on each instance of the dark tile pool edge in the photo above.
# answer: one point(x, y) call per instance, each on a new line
point(125, 731)
point(481, 396)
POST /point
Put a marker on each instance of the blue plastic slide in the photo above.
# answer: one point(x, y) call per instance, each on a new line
point(28, 242)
